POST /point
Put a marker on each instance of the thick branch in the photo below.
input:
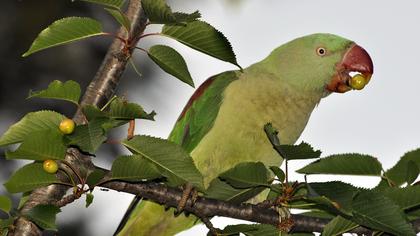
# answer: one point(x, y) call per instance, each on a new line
point(101, 89)
point(206, 207)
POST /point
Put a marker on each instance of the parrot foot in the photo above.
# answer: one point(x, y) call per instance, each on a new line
point(188, 193)
point(285, 220)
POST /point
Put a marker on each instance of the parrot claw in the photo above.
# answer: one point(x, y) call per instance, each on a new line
point(188, 193)
point(285, 221)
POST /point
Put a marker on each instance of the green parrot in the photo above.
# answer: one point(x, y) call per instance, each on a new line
point(222, 123)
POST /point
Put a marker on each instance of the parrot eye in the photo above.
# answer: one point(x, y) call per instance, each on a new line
point(321, 51)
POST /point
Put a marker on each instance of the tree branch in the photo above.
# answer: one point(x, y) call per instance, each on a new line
point(205, 207)
point(101, 89)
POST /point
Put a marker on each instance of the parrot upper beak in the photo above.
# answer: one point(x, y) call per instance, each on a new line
point(356, 59)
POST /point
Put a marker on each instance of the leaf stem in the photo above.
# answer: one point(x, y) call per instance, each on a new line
point(109, 102)
point(142, 49)
point(150, 34)
point(64, 183)
point(113, 141)
point(134, 67)
point(70, 177)
point(81, 181)
point(125, 41)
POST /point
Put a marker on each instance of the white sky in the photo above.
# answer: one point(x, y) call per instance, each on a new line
point(382, 120)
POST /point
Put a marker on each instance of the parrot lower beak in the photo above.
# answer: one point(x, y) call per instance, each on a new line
point(355, 60)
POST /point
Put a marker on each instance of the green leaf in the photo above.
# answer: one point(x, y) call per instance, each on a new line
point(134, 168)
point(338, 226)
point(120, 109)
point(186, 17)
point(4, 225)
point(28, 178)
point(90, 136)
point(29, 124)
point(170, 159)
point(92, 112)
point(275, 191)
point(64, 31)
point(278, 172)
point(246, 175)
point(290, 152)
point(298, 152)
point(95, 177)
point(223, 191)
point(159, 12)
point(41, 145)
point(398, 173)
point(118, 113)
point(44, 216)
point(378, 212)
point(5, 204)
point(89, 199)
point(117, 4)
point(68, 91)
point(203, 37)
point(171, 61)
point(321, 202)
point(341, 193)
point(318, 214)
point(406, 198)
point(412, 172)
point(297, 234)
point(272, 135)
point(120, 18)
point(344, 164)
point(251, 230)
point(25, 196)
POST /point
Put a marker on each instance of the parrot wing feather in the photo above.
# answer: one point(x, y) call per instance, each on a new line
point(199, 114)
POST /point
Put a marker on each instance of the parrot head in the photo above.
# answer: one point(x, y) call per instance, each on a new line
point(323, 62)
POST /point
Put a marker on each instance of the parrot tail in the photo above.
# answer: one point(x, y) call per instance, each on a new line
point(145, 218)
point(127, 214)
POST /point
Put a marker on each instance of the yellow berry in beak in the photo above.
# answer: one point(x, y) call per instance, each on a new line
point(67, 126)
point(50, 166)
point(358, 82)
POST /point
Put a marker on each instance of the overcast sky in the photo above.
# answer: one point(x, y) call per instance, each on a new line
point(382, 120)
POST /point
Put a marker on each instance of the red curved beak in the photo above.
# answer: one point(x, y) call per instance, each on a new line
point(356, 59)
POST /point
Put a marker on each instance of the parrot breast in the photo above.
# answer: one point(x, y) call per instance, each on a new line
point(237, 134)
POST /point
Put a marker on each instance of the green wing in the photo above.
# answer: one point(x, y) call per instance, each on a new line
point(199, 114)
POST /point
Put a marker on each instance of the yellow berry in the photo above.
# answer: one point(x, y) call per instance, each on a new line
point(358, 82)
point(50, 166)
point(67, 126)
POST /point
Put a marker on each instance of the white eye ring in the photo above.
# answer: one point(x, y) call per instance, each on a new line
point(321, 51)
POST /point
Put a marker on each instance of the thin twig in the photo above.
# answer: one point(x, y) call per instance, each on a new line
point(214, 231)
point(131, 128)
